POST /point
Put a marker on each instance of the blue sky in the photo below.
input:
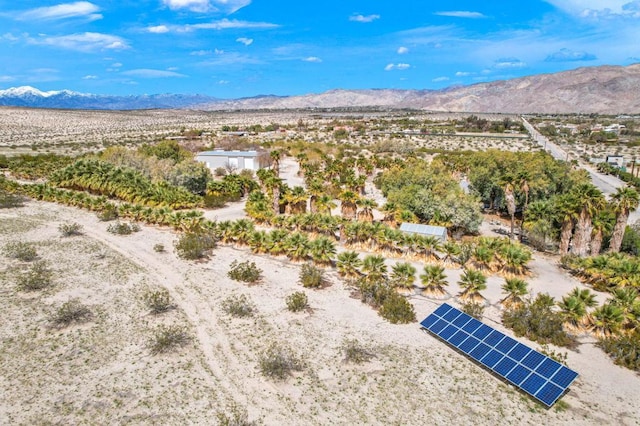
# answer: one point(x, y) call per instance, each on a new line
point(239, 48)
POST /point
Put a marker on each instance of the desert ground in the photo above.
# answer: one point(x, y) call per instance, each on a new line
point(102, 371)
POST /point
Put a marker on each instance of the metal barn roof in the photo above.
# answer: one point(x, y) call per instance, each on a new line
point(221, 153)
point(416, 228)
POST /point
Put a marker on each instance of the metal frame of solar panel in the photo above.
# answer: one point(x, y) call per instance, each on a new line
point(538, 375)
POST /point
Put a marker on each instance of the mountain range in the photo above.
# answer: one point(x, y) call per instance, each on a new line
point(602, 90)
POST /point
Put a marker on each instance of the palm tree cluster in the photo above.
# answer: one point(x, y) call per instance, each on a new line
point(100, 177)
point(605, 272)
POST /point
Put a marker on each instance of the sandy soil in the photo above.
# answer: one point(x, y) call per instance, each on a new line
point(102, 372)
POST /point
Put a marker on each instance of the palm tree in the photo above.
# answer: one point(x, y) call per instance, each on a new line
point(278, 242)
point(259, 242)
point(602, 225)
point(473, 283)
point(348, 204)
point(567, 209)
point(322, 250)
point(515, 258)
point(607, 320)
point(324, 204)
point(434, 280)
point(451, 251)
point(515, 288)
point(625, 200)
point(591, 201)
point(297, 247)
point(403, 275)
point(242, 230)
point(348, 263)
point(627, 300)
point(575, 313)
point(367, 205)
point(275, 161)
point(374, 268)
point(510, 200)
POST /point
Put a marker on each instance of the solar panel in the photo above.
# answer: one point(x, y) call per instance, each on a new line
point(538, 375)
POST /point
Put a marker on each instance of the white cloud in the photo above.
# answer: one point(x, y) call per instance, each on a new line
point(150, 73)
point(231, 59)
point(6, 78)
point(223, 24)
point(90, 77)
point(440, 79)
point(116, 65)
point(567, 55)
point(202, 6)
point(158, 29)
point(201, 53)
point(505, 63)
point(79, 9)
point(223, 82)
point(400, 66)
point(461, 14)
point(312, 59)
point(363, 18)
point(218, 51)
point(402, 50)
point(463, 74)
point(244, 40)
point(84, 42)
point(9, 37)
point(581, 7)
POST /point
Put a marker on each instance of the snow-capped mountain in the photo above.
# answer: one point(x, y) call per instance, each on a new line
point(27, 96)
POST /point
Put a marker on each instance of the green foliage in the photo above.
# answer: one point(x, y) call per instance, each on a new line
point(536, 320)
point(355, 352)
point(159, 248)
point(157, 300)
point(38, 277)
point(238, 306)
point(195, 245)
point(396, 309)
point(234, 416)
point(123, 228)
point(10, 201)
point(37, 166)
point(631, 241)
point(191, 175)
point(605, 272)
point(278, 363)
point(108, 213)
point(71, 311)
point(246, 271)
point(70, 229)
point(623, 349)
point(558, 356)
point(297, 301)
point(167, 338)
point(311, 276)
point(474, 309)
point(166, 149)
point(20, 250)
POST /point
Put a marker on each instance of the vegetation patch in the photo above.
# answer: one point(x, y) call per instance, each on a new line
point(246, 272)
point(37, 277)
point(278, 362)
point(123, 228)
point(238, 306)
point(71, 311)
point(157, 300)
point(473, 309)
point(195, 245)
point(297, 301)
point(20, 250)
point(311, 276)
point(355, 352)
point(168, 338)
point(70, 229)
point(624, 349)
point(10, 201)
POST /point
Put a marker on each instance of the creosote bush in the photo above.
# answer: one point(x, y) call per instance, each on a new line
point(278, 363)
point(234, 416)
point(238, 306)
point(311, 276)
point(109, 213)
point(71, 311)
point(123, 228)
point(70, 229)
point(473, 309)
point(159, 248)
point(297, 301)
point(397, 310)
point(536, 320)
point(38, 277)
point(623, 349)
point(20, 250)
point(195, 245)
point(355, 352)
point(167, 338)
point(157, 300)
point(246, 272)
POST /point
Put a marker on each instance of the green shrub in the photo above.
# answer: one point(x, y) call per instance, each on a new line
point(238, 306)
point(234, 416)
point(20, 250)
point(476, 310)
point(311, 276)
point(355, 352)
point(624, 349)
point(109, 213)
point(71, 311)
point(558, 356)
point(246, 272)
point(297, 301)
point(70, 229)
point(38, 277)
point(536, 320)
point(167, 338)
point(159, 248)
point(9, 201)
point(157, 300)
point(214, 201)
point(278, 363)
point(123, 228)
point(397, 310)
point(195, 245)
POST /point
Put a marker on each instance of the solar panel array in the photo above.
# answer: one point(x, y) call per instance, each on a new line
point(540, 376)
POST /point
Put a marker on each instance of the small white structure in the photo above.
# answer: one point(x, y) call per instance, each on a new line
point(439, 232)
point(237, 160)
point(615, 160)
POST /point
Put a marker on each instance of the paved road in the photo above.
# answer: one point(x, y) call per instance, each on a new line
point(606, 183)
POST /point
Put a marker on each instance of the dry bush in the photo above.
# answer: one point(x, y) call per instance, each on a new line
point(297, 301)
point(277, 362)
point(71, 311)
point(355, 352)
point(70, 229)
point(20, 250)
point(157, 300)
point(246, 272)
point(238, 306)
point(167, 338)
point(38, 277)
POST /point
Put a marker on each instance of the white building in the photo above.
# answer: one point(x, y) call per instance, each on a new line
point(237, 160)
